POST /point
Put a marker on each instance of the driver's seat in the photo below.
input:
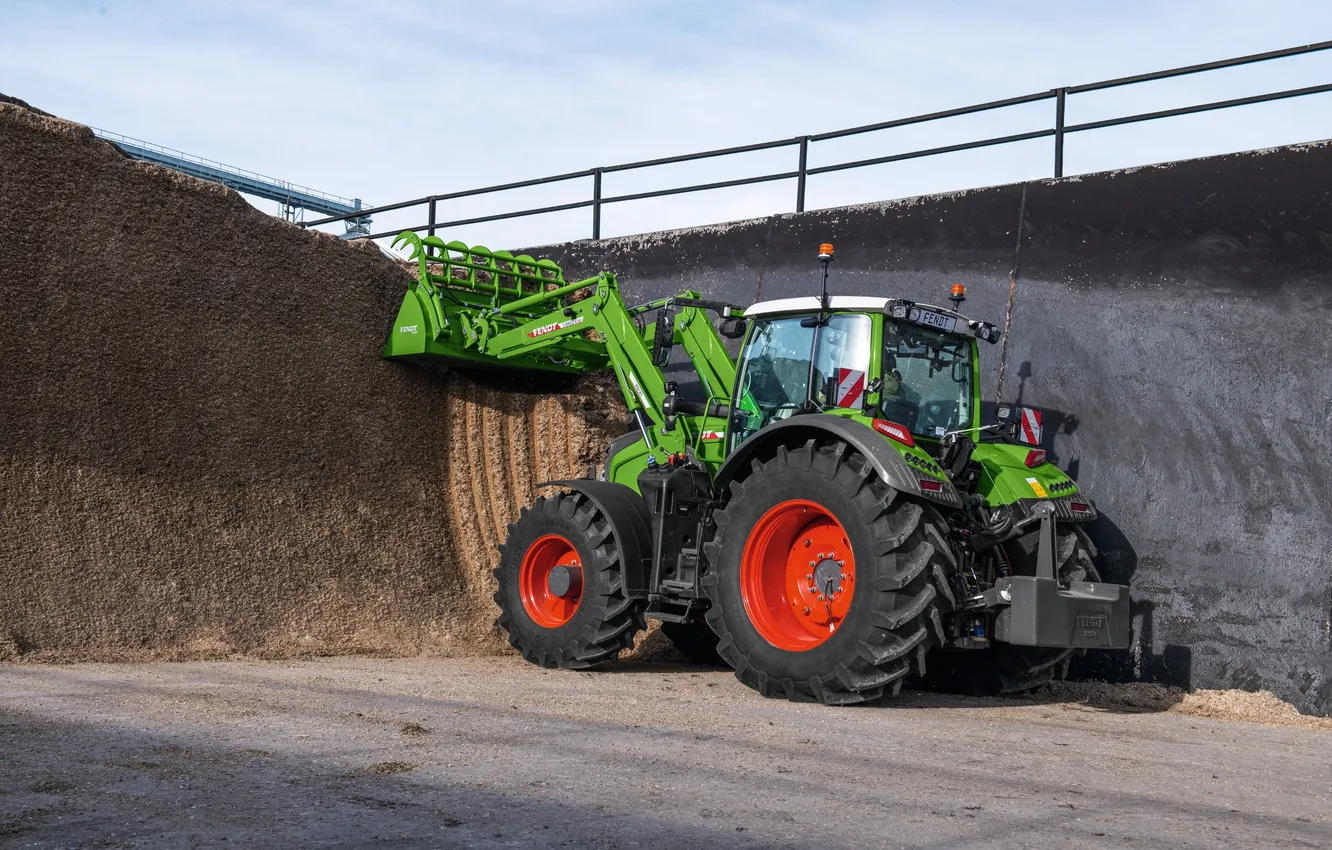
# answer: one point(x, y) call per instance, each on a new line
point(899, 410)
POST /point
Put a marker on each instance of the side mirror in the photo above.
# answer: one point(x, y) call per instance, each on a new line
point(872, 388)
point(733, 328)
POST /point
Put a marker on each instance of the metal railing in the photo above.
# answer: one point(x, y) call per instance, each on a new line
point(802, 172)
point(267, 187)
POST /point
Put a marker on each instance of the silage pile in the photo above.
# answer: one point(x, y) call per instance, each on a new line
point(201, 452)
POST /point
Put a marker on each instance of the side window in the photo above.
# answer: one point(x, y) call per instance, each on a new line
point(774, 376)
point(774, 372)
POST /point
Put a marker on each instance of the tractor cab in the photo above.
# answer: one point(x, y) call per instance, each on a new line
point(913, 365)
point(790, 364)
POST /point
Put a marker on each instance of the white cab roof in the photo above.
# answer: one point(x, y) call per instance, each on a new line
point(810, 304)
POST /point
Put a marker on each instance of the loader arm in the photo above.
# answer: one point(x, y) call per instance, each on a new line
point(703, 345)
point(471, 306)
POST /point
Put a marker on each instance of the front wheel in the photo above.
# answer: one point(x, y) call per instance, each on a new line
point(821, 579)
point(561, 595)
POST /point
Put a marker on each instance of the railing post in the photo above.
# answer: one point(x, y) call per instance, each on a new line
point(1059, 132)
point(430, 222)
point(800, 178)
point(596, 203)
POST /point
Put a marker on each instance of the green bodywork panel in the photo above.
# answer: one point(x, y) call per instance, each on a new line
point(1005, 478)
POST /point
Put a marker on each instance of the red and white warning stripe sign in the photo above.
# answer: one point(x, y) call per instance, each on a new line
point(850, 387)
point(1031, 426)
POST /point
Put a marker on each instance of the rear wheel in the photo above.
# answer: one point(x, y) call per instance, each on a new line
point(1003, 667)
point(560, 593)
point(821, 579)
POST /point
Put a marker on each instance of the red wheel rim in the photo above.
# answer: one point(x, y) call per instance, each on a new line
point(797, 552)
point(544, 605)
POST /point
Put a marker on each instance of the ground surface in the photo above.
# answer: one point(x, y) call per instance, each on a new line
point(495, 753)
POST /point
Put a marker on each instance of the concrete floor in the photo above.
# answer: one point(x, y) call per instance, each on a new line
point(352, 752)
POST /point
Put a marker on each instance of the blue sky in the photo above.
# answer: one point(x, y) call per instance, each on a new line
point(392, 101)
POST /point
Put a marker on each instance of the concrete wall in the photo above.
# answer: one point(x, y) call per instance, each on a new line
point(1175, 322)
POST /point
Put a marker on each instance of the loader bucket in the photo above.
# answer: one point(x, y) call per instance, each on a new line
point(464, 296)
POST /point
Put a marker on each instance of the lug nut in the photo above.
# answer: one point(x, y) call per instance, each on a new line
point(841, 563)
point(809, 576)
point(806, 610)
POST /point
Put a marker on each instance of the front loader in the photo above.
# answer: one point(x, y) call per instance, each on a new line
point(832, 518)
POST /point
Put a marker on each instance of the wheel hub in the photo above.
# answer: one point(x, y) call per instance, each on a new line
point(828, 577)
point(550, 581)
point(565, 581)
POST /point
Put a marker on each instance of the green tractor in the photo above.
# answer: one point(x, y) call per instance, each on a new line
point(828, 514)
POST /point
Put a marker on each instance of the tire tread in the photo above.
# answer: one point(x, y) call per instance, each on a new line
point(901, 568)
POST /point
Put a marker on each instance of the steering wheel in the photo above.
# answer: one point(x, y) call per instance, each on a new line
point(768, 410)
point(938, 414)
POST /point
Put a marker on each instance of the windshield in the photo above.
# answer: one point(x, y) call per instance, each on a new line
point(927, 379)
point(774, 380)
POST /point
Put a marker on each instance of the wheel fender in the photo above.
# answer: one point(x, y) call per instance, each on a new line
point(620, 444)
point(796, 430)
point(630, 522)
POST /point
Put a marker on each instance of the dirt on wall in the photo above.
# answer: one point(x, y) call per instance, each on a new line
point(201, 451)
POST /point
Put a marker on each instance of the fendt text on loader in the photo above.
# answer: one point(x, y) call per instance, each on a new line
point(828, 514)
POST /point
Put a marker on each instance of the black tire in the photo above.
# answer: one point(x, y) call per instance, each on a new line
point(695, 641)
point(891, 622)
point(605, 620)
point(1003, 668)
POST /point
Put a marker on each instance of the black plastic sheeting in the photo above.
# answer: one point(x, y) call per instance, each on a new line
point(1173, 322)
